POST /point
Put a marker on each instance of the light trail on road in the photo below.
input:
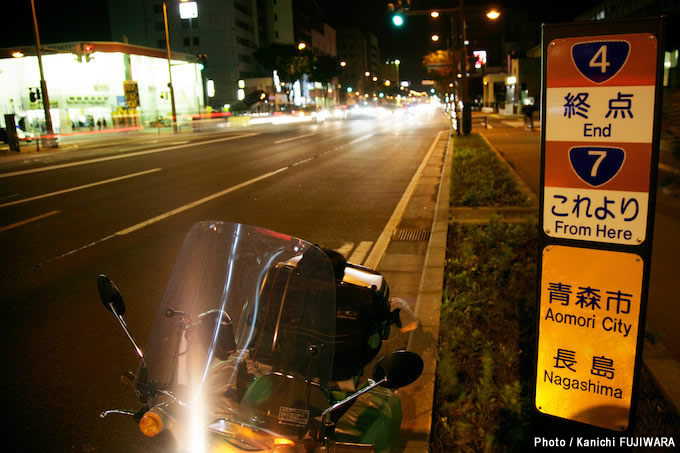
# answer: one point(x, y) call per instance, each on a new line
point(123, 156)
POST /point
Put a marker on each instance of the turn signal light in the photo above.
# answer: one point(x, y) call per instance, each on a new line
point(151, 424)
point(280, 441)
point(283, 445)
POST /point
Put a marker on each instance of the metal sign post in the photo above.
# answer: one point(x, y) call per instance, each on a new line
point(601, 108)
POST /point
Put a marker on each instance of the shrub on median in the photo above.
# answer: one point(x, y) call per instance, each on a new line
point(485, 335)
point(478, 178)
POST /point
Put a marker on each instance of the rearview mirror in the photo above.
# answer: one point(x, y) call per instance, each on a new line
point(400, 368)
point(110, 296)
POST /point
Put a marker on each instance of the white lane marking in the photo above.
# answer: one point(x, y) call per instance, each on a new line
point(383, 241)
point(196, 203)
point(193, 204)
point(24, 222)
point(123, 156)
point(345, 248)
point(360, 252)
point(85, 186)
point(293, 138)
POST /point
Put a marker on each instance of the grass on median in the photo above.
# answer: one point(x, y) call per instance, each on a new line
point(478, 178)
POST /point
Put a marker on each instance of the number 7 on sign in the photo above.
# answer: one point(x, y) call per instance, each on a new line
point(602, 154)
point(599, 171)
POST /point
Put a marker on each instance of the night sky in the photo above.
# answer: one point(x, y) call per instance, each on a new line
point(76, 20)
point(412, 41)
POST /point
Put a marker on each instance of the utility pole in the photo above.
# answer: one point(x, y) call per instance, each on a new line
point(50, 141)
point(467, 108)
point(167, 44)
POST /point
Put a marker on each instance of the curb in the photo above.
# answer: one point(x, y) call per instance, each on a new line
point(427, 308)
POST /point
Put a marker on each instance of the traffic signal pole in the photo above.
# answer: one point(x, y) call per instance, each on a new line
point(459, 46)
point(50, 140)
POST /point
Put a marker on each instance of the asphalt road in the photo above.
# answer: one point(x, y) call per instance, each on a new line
point(124, 209)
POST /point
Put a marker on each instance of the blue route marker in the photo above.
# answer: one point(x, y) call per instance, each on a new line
point(596, 165)
point(599, 61)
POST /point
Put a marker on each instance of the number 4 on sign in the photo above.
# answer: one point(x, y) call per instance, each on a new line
point(600, 60)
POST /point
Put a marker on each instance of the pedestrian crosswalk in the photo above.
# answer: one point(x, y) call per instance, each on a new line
point(355, 253)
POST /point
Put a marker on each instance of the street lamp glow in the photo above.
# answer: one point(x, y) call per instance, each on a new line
point(343, 63)
point(435, 38)
point(367, 73)
point(375, 78)
point(397, 20)
point(493, 14)
point(397, 61)
point(301, 46)
point(434, 14)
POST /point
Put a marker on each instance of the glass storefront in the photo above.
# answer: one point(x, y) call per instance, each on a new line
point(89, 95)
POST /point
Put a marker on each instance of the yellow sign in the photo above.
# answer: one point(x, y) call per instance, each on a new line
point(131, 91)
point(587, 339)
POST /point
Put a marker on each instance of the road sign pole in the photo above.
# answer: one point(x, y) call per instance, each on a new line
point(601, 110)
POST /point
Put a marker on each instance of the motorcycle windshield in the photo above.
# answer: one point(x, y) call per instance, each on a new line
point(244, 334)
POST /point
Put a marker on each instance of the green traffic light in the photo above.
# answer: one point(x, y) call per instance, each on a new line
point(398, 20)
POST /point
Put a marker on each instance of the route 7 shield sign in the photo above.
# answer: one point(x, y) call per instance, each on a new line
point(596, 165)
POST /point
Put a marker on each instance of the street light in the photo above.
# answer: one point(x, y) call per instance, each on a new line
point(493, 14)
point(301, 46)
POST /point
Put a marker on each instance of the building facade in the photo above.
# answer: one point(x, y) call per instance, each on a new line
point(87, 85)
point(225, 31)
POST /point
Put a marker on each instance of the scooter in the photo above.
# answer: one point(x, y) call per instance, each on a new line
point(242, 354)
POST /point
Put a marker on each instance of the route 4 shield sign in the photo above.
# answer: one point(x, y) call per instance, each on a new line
point(599, 61)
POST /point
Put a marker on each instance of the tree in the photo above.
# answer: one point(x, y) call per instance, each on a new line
point(439, 65)
point(291, 63)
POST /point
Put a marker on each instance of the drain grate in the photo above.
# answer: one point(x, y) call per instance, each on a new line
point(412, 234)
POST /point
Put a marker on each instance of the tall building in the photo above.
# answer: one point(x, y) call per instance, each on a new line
point(225, 31)
point(359, 50)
